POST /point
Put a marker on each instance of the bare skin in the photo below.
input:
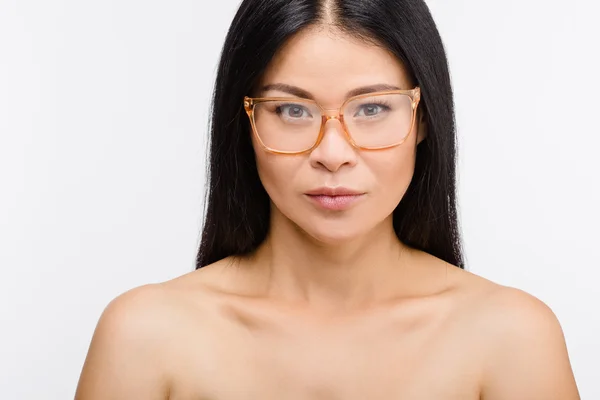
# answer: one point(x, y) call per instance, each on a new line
point(212, 334)
point(331, 305)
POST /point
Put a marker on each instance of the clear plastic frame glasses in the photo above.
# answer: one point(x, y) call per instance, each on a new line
point(372, 121)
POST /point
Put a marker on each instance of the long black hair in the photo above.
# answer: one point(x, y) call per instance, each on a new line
point(238, 207)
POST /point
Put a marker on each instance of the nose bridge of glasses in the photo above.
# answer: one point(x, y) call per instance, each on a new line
point(332, 113)
point(340, 128)
point(329, 115)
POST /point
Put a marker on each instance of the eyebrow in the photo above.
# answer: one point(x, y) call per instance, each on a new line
point(298, 92)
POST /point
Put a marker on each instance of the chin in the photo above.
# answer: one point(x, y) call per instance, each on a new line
point(333, 229)
point(334, 233)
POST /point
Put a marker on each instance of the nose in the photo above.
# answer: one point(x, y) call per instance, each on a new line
point(334, 151)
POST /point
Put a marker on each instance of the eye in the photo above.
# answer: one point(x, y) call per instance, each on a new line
point(293, 111)
point(370, 110)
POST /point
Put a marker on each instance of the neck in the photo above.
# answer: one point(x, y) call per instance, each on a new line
point(353, 274)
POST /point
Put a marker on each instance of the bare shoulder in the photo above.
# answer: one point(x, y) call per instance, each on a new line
point(144, 312)
point(526, 354)
point(139, 335)
point(514, 318)
point(517, 313)
point(209, 284)
point(509, 314)
point(126, 352)
point(497, 304)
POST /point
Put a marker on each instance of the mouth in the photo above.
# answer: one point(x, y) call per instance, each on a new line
point(334, 199)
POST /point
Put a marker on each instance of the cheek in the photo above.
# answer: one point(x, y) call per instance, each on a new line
point(393, 170)
point(277, 173)
point(266, 164)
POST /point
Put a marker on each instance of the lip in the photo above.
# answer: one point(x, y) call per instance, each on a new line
point(334, 199)
point(334, 191)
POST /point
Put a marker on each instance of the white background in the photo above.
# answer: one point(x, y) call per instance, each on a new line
point(103, 117)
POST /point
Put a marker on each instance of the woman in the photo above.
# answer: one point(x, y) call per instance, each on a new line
point(330, 265)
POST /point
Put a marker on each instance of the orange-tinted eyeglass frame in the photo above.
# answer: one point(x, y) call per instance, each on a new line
point(249, 102)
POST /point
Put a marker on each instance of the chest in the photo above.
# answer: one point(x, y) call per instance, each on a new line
point(367, 361)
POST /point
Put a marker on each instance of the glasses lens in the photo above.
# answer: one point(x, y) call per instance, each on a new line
point(379, 120)
point(289, 125)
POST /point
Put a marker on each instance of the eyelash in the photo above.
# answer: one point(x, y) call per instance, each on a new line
point(386, 106)
point(383, 104)
point(281, 106)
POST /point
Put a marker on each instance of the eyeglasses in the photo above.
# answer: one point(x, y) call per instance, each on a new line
point(373, 121)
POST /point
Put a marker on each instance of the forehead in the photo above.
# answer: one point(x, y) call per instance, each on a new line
point(329, 64)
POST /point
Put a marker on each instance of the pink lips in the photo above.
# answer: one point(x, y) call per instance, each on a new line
point(335, 199)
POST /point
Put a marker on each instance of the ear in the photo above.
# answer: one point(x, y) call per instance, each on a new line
point(422, 127)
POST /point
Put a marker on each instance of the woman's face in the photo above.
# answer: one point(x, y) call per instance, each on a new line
point(328, 66)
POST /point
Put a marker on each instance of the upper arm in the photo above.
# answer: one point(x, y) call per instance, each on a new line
point(126, 353)
point(528, 356)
